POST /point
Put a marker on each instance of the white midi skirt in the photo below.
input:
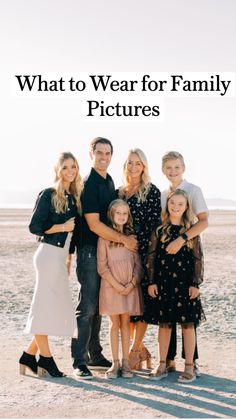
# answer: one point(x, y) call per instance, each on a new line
point(52, 311)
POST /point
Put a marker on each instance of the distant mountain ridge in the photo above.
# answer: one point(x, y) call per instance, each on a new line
point(28, 197)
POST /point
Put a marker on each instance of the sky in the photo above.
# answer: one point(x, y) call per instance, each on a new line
point(73, 36)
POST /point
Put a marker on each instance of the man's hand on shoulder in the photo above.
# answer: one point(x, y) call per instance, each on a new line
point(130, 242)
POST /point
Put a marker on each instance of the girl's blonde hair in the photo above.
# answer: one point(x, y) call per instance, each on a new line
point(59, 199)
point(186, 220)
point(128, 227)
point(145, 178)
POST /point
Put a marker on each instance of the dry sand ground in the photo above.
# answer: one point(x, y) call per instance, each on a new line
point(212, 395)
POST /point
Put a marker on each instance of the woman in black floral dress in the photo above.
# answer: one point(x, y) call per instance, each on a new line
point(143, 199)
point(171, 277)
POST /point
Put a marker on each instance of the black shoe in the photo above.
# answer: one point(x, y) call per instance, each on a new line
point(82, 372)
point(100, 365)
point(47, 364)
point(28, 361)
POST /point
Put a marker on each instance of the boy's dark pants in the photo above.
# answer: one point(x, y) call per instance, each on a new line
point(173, 345)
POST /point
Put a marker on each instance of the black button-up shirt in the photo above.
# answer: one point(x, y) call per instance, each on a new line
point(97, 194)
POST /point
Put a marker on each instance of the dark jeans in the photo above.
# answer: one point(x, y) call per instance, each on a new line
point(87, 346)
point(173, 345)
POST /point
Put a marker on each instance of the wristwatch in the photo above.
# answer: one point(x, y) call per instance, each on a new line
point(184, 236)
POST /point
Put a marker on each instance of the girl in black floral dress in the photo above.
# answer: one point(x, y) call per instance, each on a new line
point(175, 296)
point(143, 199)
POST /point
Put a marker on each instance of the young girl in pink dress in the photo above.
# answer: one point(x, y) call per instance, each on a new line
point(120, 271)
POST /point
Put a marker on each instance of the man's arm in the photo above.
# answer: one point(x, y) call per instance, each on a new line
point(194, 231)
point(107, 233)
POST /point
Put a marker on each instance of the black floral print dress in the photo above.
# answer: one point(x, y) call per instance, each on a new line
point(146, 218)
point(173, 275)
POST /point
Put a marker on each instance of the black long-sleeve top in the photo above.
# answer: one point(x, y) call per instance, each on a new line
point(45, 216)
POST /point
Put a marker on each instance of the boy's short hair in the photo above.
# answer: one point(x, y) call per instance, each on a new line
point(100, 140)
point(172, 155)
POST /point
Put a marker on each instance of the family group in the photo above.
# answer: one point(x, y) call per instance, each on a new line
point(139, 261)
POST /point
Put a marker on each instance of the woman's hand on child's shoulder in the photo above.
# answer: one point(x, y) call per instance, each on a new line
point(130, 242)
point(193, 292)
point(153, 290)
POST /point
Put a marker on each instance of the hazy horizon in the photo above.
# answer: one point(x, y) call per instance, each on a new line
point(26, 199)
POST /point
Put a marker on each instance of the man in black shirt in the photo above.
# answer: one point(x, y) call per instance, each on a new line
point(98, 192)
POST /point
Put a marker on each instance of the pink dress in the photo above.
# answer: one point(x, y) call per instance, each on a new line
point(123, 265)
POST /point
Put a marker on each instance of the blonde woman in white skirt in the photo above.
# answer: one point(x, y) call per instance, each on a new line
point(55, 219)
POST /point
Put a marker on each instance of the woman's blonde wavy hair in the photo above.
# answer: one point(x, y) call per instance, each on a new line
point(128, 227)
point(186, 221)
point(145, 178)
point(59, 199)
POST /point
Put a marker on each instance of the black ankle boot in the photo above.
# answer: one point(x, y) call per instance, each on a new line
point(47, 364)
point(28, 361)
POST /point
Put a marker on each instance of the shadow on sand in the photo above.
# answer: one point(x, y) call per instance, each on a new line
point(207, 397)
